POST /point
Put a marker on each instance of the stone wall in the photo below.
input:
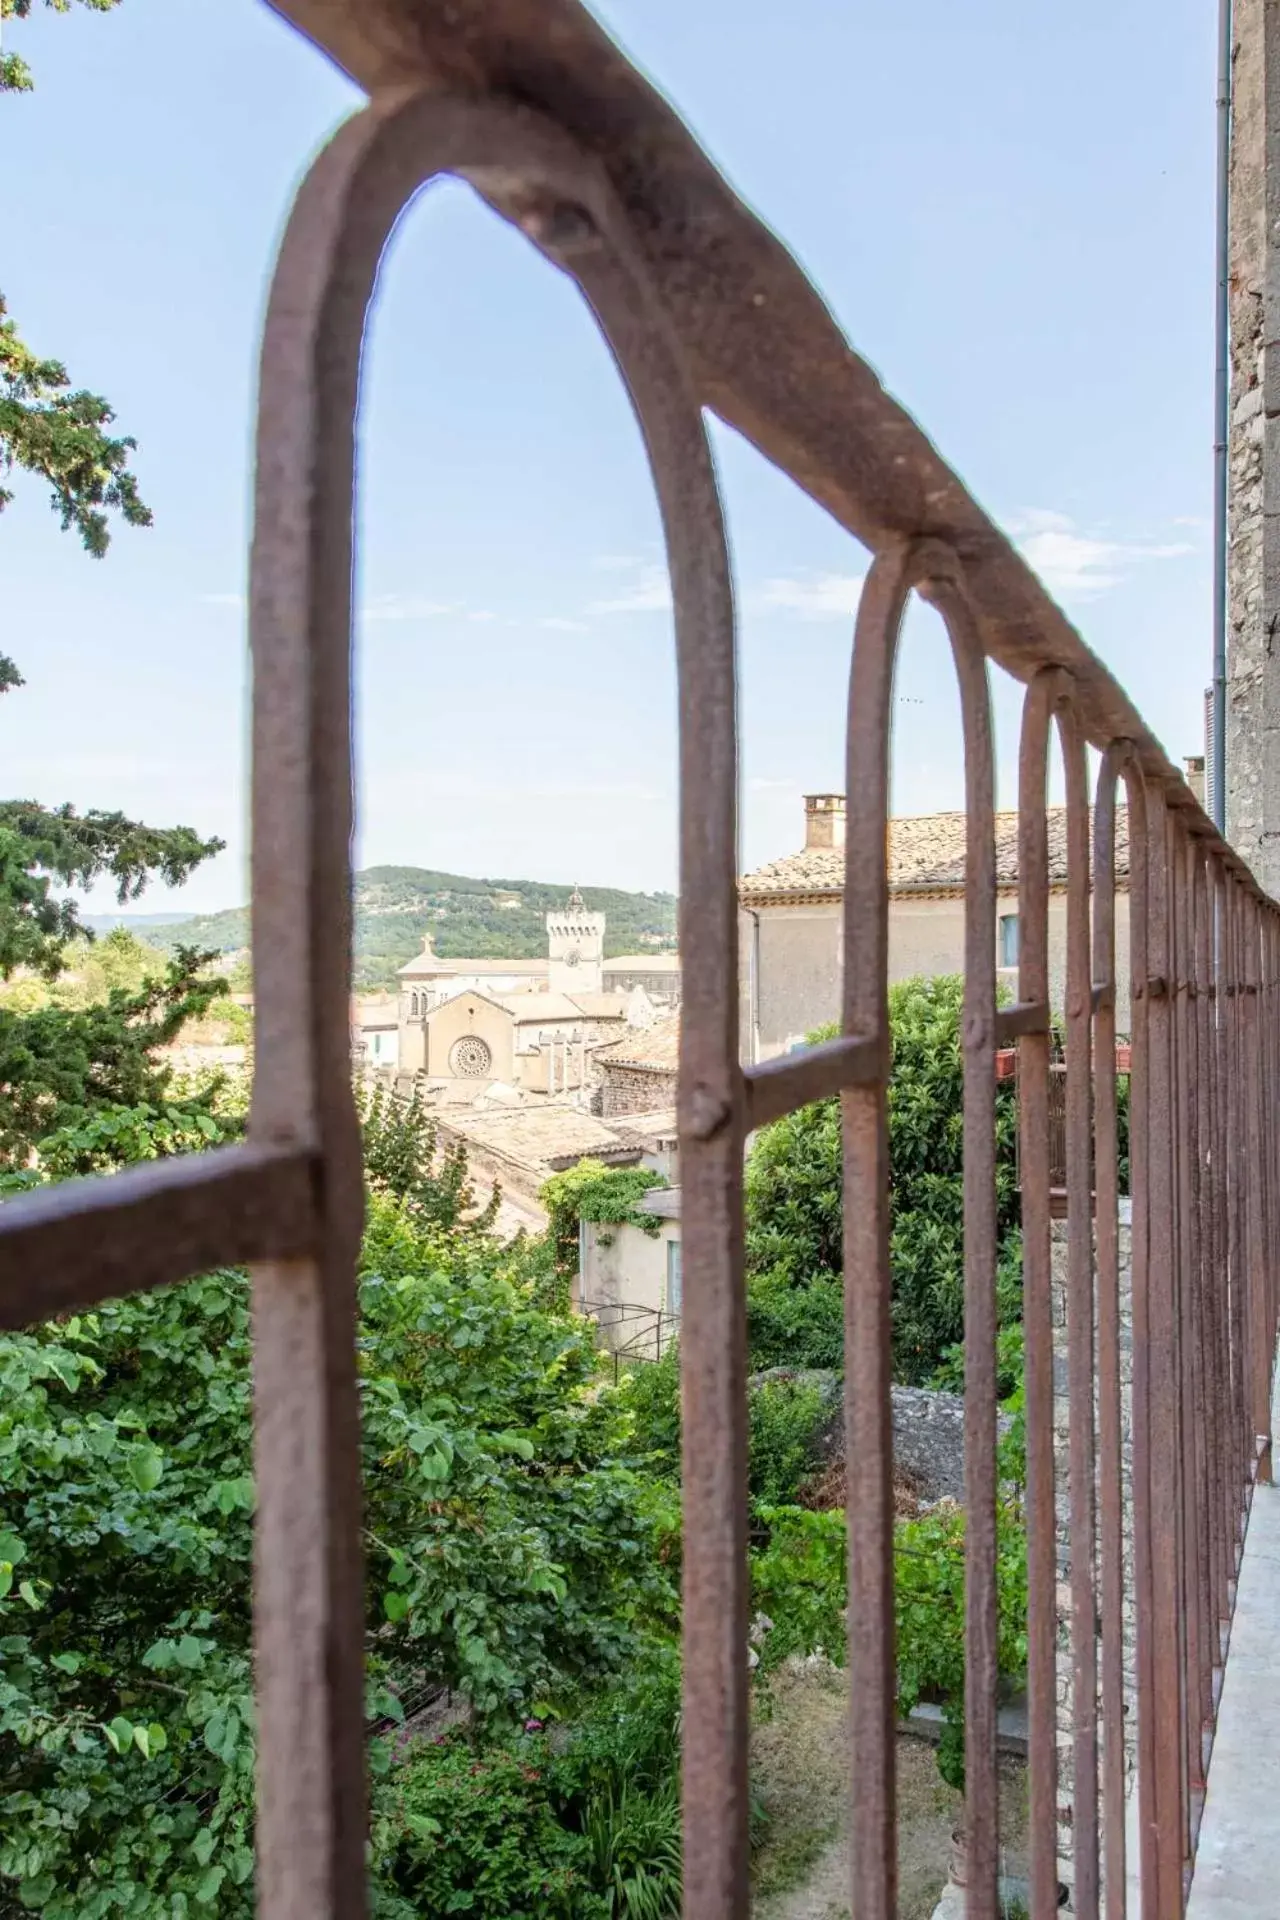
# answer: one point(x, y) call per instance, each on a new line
point(1061, 1406)
point(634, 1090)
point(928, 1430)
point(1253, 572)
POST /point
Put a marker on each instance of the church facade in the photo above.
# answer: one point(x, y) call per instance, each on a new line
point(519, 1027)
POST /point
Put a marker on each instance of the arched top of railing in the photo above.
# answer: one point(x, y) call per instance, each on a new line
point(764, 351)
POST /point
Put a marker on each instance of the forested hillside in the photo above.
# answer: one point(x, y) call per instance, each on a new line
point(501, 919)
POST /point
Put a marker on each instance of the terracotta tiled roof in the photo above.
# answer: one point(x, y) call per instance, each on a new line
point(537, 1136)
point(649, 1127)
point(430, 966)
point(643, 963)
point(655, 1049)
point(926, 855)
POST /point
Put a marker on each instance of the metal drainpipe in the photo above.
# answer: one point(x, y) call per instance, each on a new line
point(1221, 404)
point(753, 987)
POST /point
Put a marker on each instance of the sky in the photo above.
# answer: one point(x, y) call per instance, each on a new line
point(1008, 208)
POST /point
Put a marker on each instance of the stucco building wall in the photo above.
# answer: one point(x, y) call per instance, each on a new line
point(1253, 571)
point(791, 960)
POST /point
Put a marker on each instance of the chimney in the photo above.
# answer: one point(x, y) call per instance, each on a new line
point(824, 820)
point(1193, 766)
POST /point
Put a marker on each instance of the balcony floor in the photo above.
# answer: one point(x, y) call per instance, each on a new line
point(1238, 1863)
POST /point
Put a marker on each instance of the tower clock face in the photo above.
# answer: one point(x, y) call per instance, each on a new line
point(572, 958)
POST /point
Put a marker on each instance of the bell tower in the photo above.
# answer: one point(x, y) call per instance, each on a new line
point(575, 947)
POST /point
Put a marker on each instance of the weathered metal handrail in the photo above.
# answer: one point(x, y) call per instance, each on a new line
point(702, 307)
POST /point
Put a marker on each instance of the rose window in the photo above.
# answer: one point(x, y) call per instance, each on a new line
point(470, 1058)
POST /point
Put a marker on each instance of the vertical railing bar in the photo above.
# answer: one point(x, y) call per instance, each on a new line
point(1215, 1264)
point(1259, 1286)
point(1233, 1167)
point(1140, 1387)
point(868, 1356)
point(1080, 1323)
point(1037, 1295)
point(1222, 1255)
point(1200, 1666)
point(1161, 1791)
point(982, 1780)
point(1110, 1464)
point(308, 1587)
point(1212, 1297)
point(1182, 1412)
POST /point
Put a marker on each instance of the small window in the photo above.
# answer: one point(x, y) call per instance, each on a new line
point(674, 1278)
point(1008, 939)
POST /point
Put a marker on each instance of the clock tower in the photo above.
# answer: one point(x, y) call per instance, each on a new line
point(575, 946)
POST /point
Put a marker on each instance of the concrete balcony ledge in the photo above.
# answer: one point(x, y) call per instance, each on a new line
point(1237, 1872)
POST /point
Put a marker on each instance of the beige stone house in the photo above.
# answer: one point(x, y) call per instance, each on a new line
point(630, 1282)
point(792, 926)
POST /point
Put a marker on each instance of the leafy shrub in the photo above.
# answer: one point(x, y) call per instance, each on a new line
point(793, 1322)
point(948, 1375)
point(929, 1605)
point(586, 1825)
point(653, 1393)
point(798, 1579)
point(508, 1547)
point(511, 1552)
point(592, 1191)
point(481, 1834)
point(786, 1420)
point(785, 1423)
point(793, 1189)
point(125, 1692)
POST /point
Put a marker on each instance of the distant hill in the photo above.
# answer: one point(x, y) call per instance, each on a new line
point(395, 906)
point(136, 922)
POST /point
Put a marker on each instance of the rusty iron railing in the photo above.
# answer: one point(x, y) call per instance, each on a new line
point(531, 103)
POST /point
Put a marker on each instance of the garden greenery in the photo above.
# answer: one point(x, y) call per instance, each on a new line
point(793, 1196)
point(513, 1554)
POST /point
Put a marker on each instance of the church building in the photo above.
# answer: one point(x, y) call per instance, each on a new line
point(529, 1026)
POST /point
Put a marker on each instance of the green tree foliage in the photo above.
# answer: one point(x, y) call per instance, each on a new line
point(403, 1157)
point(60, 435)
point(505, 1550)
point(799, 1581)
point(786, 1418)
point(794, 1203)
point(512, 1553)
point(585, 1824)
point(47, 428)
point(15, 74)
point(60, 1067)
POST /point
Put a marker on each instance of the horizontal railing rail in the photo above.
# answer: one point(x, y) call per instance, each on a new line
point(703, 308)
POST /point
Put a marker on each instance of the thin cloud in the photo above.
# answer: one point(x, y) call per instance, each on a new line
point(235, 600)
point(1080, 566)
point(650, 592)
point(399, 606)
point(555, 624)
point(812, 596)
